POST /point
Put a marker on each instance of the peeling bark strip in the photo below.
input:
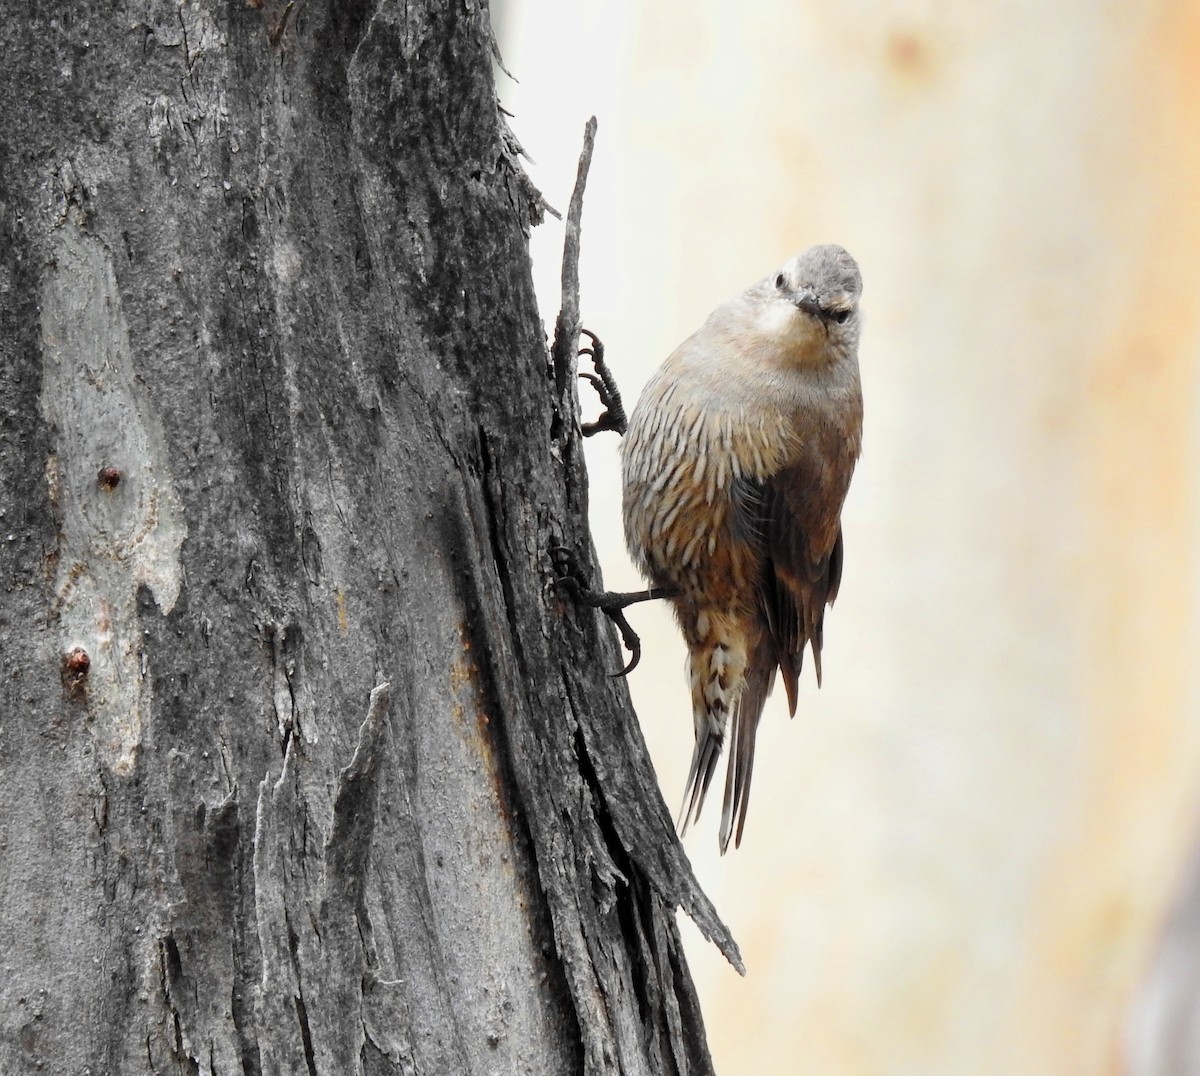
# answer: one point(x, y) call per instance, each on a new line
point(276, 417)
point(314, 931)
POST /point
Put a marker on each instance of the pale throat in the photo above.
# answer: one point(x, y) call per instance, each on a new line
point(792, 337)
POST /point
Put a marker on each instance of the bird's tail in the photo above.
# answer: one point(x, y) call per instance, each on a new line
point(760, 678)
point(704, 764)
point(715, 668)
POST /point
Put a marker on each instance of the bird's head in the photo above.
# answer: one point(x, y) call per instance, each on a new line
point(813, 298)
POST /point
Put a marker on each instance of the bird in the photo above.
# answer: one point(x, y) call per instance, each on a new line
point(735, 469)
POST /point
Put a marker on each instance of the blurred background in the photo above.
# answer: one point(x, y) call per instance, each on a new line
point(974, 850)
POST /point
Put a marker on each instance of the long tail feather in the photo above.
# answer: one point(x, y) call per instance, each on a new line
point(705, 756)
point(760, 678)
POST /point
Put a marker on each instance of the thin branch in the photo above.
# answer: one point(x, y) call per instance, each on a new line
point(567, 327)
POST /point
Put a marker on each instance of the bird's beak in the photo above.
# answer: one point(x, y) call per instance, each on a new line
point(807, 301)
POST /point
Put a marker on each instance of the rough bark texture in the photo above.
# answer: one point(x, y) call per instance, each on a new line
point(279, 424)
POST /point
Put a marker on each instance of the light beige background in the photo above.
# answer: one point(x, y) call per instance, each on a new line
point(960, 853)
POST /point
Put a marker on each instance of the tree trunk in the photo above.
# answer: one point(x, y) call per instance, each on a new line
point(279, 426)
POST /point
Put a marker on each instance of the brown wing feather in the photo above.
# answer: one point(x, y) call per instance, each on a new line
point(803, 548)
point(795, 519)
point(800, 536)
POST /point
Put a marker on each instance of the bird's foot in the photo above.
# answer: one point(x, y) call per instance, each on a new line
point(613, 416)
point(612, 603)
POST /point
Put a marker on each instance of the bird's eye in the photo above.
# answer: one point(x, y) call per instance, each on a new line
point(779, 281)
point(840, 316)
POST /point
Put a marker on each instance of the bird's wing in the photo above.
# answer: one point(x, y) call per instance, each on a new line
point(795, 521)
point(802, 568)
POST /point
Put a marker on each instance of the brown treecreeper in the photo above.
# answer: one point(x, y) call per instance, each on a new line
point(736, 464)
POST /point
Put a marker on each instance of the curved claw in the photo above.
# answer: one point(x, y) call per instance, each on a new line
point(565, 561)
point(611, 603)
point(602, 381)
point(629, 640)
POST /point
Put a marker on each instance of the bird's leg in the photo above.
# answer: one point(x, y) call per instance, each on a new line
point(613, 416)
point(612, 603)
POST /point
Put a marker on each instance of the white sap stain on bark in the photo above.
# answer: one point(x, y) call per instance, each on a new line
point(112, 539)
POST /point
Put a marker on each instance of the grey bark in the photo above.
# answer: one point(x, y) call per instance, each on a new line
point(279, 429)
